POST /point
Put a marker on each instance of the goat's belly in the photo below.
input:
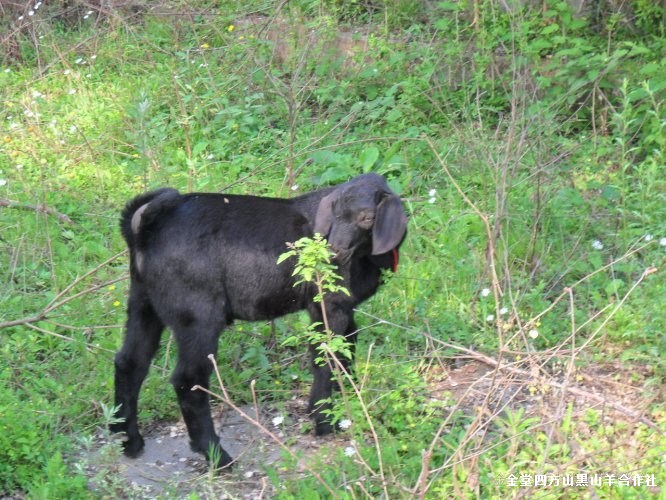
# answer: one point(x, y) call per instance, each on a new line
point(264, 306)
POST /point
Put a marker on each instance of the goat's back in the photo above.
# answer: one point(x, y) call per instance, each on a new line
point(204, 252)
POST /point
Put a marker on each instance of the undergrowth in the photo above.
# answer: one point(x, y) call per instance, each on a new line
point(527, 144)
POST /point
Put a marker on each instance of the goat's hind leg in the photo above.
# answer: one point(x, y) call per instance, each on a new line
point(132, 362)
point(193, 369)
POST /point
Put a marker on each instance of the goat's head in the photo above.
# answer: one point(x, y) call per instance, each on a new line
point(361, 216)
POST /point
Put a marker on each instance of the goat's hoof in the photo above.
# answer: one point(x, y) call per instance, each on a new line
point(220, 461)
point(323, 428)
point(133, 447)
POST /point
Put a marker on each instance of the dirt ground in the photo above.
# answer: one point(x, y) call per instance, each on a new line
point(168, 469)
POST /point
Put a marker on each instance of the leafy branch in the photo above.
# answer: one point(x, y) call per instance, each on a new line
point(314, 265)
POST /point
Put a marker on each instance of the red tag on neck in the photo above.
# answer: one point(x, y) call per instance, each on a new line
point(396, 258)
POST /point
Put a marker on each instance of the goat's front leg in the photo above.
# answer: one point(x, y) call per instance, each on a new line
point(323, 383)
point(194, 369)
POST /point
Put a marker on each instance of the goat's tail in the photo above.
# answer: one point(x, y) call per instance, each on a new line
point(142, 212)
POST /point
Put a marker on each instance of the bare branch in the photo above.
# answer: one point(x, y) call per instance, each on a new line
point(41, 208)
point(60, 299)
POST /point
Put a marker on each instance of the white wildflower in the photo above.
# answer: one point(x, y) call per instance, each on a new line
point(533, 333)
point(490, 317)
point(3, 182)
point(350, 451)
point(648, 237)
point(503, 311)
point(31, 13)
point(485, 292)
point(277, 421)
point(344, 424)
point(662, 242)
point(597, 245)
point(72, 91)
point(432, 192)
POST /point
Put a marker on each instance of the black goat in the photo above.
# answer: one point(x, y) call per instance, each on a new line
point(199, 261)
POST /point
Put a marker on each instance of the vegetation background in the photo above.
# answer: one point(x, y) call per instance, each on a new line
point(524, 333)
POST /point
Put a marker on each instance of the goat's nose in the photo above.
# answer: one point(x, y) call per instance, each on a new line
point(366, 219)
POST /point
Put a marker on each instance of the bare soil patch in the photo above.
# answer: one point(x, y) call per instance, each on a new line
point(169, 469)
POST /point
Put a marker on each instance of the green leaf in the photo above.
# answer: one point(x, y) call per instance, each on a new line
point(651, 69)
point(368, 158)
point(550, 29)
point(592, 74)
point(613, 287)
point(451, 6)
point(611, 194)
point(199, 148)
point(284, 257)
point(540, 44)
point(336, 174)
point(325, 157)
point(577, 24)
point(393, 115)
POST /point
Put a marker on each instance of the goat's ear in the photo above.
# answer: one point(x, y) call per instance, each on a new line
point(324, 215)
point(390, 225)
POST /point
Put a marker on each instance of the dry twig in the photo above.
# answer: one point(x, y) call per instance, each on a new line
point(41, 208)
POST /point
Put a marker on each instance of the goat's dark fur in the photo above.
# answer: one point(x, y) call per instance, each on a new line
point(199, 261)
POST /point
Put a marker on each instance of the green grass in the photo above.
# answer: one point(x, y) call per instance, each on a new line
point(525, 137)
